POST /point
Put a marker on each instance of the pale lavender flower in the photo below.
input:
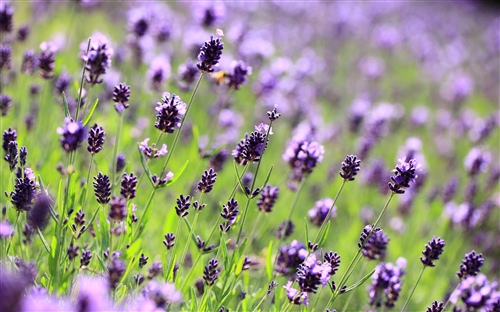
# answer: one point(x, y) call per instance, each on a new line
point(6, 229)
point(159, 71)
point(311, 274)
point(152, 151)
point(161, 294)
point(92, 294)
point(294, 296)
point(476, 293)
point(320, 211)
point(477, 161)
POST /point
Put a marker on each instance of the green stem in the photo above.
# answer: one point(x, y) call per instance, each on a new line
point(351, 294)
point(186, 246)
point(115, 152)
point(81, 84)
point(413, 289)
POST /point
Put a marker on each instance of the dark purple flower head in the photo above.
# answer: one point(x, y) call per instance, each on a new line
point(386, 282)
point(285, 229)
point(73, 133)
point(471, 265)
point(121, 161)
point(433, 249)
point(210, 273)
point(302, 156)
point(229, 212)
point(5, 56)
point(169, 241)
point(85, 258)
point(96, 138)
point(290, 256)
point(404, 173)
point(182, 206)
point(476, 293)
point(267, 198)
point(436, 307)
point(62, 83)
point(207, 181)
point(139, 25)
point(187, 74)
point(116, 269)
point(251, 148)
point(334, 259)
point(210, 53)
point(23, 33)
point(477, 161)
point(8, 136)
point(238, 74)
point(169, 113)
point(98, 58)
point(319, 212)
point(117, 208)
point(47, 59)
point(37, 216)
point(102, 188)
point(350, 167)
point(29, 63)
point(311, 274)
point(273, 114)
point(374, 246)
point(121, 96)
point(6, 14)
point(12, 156)
point(24, 193)
point(128, 185)
point(23, 154)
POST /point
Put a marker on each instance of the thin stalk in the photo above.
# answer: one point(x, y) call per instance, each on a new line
point(148, 159)
point(186, 246)
point(451, 295)
point(177, 135)
point(351, 294)
point(413, 289)
point(81, 84)
point(15, 228)
point(115, 151)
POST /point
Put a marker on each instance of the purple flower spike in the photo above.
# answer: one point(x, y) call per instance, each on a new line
point(404, 173)
point(73, 133)
point(210, 53)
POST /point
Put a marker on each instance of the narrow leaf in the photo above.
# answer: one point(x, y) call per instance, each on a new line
point(359, 283)
point(268, 176)
point(269, 263)
point(178, 174)
point(239, 179)
point(307, 230)
point(145, 167)
point(325, 233)
point(91, 112)
point(44, 242)
point(66, 106)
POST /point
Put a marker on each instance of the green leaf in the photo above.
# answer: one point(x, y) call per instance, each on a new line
point(223, 249)
point(129, 254)
point(66, 106)
point(145, 167)
point(52, 257)
point(133, 249)
point(91, 112)
point(307, 230)
point(239, 179)
point(194, 302)
point(178, 174)
point(268, 176)
point(269, 263)
point(44, 242)
point(359, 283)
point(325, 234)
point(193, 236)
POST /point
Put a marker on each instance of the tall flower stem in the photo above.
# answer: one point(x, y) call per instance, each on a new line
point(115, 152)
point(413, 289)
point(177, 135)
point(355, 260)
point(79, 102)
point(197, 213)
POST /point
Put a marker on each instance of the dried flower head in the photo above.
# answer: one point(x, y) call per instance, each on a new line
point(96, 139)
point(404, 173)
point(433, 249)
point(210, 53)
point(169, 113)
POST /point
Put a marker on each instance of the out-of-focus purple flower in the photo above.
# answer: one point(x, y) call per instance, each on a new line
point(210, 53)
point(5, 57)
point(98, 58)
point(37, 216)
point(169, 113)
point(23, 33)
point(267, 198)
point(302, 156)
point(118, 208)
point(290, 256)
point(46, 60)
point(6, 16)
point(404, 173)
point(476, 293)
point(161, 294)
point(116, 269)
point(238, 74)
point(121, 161)
point(433, 249)
point(374, 246)
point(159, 71)
point(319, 212)
point(73, 133)
point(6, 229)
point(187, 74)
point(92, 294)
point(386, 281)
point(476, 161)
point(152, 151)
point(457, 88)
point(372, 67)
point(62, 83)
point(29, 63)
point(12, 290)
point(139, 23)
point(210, 14)
point(294, 296)
point(310, 274)
point(5, 104)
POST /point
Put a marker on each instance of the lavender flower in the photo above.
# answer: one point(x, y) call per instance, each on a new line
point(12, 156)
point(37, 216)
point(121, 161)
point(210, 273)
point(310, 274)
point(5, 104)
point(476, 161)
point(143, 260)
point(210, 53)
point(207, 181)
point(5, 56)
point(251, 148)
point(187, 74)
point(404, 173)
point(23, 33)
point(121, 96)
point(29, 63)
point(98, 59)
point(23, 154)
point(128, 186)
point(230, 213)
point(333, 259)
point(118, 208)
point(159, 71)
point(290, 256)
point(302, 156)
point(436, 307)
point(267, 198)
point(476, 293)
point(350, 167)
point(386, 281)
point(24, 193)
point(319, 212)
point(238, 74)
point(285, 229)
point(73, 133)
point(102, 188)
point(294, 296)
point(273, 114)
point(6, 229)
point(96, 139)
point(46, 60)
point(8, 136)
point(154, 269)
point(85, 258)
point(72, 251)
point(471, 265)
point(183, 204)
point(433, 249)
point(161, 294)
point(116, 269)
point(62, 83)
point(169, 113)
point(6, 14)
point(374, 246)
point(152, 151)
point(93, 294)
